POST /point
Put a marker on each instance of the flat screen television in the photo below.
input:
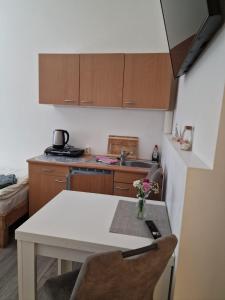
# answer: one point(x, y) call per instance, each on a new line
point(190, 24)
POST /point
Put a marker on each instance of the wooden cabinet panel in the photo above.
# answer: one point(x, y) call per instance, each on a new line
point(101, 79)
point(148, 81)
point(126, 177)
point(142, 80)
point(102, 184)
point(48, 169)
point(45, 182)
point(123, 183)
point(124, 189)
point(51, 185)
point(59, 79)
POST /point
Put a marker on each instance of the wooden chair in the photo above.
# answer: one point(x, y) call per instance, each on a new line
point(156, 176)
point(114, 275)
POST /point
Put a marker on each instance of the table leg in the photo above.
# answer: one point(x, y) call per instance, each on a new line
point(64, 266)
point(26, 259)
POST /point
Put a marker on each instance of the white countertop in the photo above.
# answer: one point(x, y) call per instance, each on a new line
point(81, 220)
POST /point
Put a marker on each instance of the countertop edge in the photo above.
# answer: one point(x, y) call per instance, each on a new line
point(92, 165)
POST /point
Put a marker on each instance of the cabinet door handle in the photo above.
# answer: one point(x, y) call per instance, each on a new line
point(68, 100)
point(121, 188)
point(86, 101)
point(130, 102)
point(60, 181)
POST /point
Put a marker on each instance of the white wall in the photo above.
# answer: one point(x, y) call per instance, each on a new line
point(195, 197)
point(200, 96)
point(200, 264)
point(174, 168)
point(29, 27)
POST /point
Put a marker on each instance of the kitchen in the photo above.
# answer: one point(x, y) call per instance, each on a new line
point(114, 27)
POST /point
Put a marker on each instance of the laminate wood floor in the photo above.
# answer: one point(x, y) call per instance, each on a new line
point(46, 267)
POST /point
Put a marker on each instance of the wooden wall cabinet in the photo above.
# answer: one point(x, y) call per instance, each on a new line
point(101, 79)
point(45, 182)
point(107, 80)
point(59, 79)
point(148, 81)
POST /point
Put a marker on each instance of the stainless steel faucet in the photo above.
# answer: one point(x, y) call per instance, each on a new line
point(123, 156)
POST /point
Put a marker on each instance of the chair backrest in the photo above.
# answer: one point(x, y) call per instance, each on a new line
point(156, 175)
point(109, 276)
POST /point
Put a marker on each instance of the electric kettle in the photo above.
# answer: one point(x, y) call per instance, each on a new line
point(60, 138)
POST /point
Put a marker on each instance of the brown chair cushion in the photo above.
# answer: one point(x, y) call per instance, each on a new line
point(108, 276)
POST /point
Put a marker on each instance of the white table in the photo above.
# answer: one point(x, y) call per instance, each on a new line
point(70, 227)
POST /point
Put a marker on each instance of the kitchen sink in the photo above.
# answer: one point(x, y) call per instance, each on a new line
point(135, 163)
point(138, 164)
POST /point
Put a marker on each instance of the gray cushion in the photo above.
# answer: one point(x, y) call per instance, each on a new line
point(156, 176)
point(152, 169)
point(59, 287)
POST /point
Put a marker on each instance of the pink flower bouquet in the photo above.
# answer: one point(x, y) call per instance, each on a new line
point(144, 187)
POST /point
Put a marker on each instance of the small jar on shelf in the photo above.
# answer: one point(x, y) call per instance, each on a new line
point(187, 138)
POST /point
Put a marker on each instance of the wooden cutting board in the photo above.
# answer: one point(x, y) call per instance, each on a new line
point(117, 143)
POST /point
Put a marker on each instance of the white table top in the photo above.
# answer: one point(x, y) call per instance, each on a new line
point(80, 221)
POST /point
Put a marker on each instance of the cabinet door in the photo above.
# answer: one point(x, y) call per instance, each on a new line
point(148, 81)
point(51, 185)
point(101, 79)
point(44, 184)
point(124, 189)
point(59, 79)
point(102, 184)
point(123, 183)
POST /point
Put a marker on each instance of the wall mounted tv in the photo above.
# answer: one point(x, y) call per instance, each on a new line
point(190, 24)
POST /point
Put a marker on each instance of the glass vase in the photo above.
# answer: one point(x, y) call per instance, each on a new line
point(141, 208)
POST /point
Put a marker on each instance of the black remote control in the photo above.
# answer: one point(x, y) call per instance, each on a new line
point(153, 229)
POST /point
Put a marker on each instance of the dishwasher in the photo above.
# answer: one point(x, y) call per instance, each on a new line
point(90, 180)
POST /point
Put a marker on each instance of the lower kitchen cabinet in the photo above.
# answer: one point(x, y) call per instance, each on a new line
point(123, 183)
point(45, 182)
point(124, 189)
point(93, 181)
point(48, 180)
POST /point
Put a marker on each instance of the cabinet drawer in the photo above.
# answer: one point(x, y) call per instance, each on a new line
point(127, 177)
point(48, 169)
point(124, 189)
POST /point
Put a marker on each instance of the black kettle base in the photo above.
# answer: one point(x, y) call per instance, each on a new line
point(58, 147)
point(68, 151)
